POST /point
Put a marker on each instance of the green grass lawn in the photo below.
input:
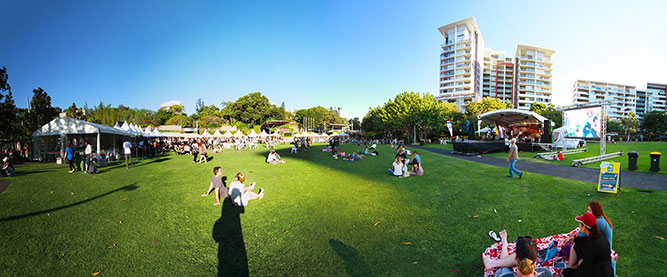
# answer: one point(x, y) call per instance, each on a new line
point(643, 148)
point(320, 217)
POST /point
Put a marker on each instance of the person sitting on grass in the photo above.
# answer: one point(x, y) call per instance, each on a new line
point(592, 254)
point(417, 169)
point(216, 183)
point(7, 168)
point(274, 158)
point(401, 154)
point(559, 156)
point(397, 167)
point(240, 194)
point(524, 258)
point(416, 156)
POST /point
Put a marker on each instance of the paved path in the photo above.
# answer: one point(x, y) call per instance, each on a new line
point(628, 179)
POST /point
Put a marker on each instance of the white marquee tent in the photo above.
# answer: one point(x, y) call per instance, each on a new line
point(52, 138)
point(216, 134)
point(228, 134)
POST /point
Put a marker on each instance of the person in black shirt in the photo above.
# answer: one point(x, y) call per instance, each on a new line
point(590, 255)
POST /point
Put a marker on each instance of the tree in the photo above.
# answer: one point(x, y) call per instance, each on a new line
point(253, 108)
point(4, 81)
point(41, 111)
point(180, 120)
point(8, 120)
point(630, 123)
point(318, 117)
point(538, 108)
point(654, 123)
point(356, 124)
point(551, 113)
point(282, 105)
point(199, 107)
point(614, 126)
point(75, 112)
point(487, 104)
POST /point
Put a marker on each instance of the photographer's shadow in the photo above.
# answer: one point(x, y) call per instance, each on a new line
point(232, 256)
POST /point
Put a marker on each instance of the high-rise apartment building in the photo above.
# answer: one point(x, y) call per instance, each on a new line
point(469, 72)
point(533, 76)
point(622, 98)
point(654, 100)
point(498, 75)
point(461, 63)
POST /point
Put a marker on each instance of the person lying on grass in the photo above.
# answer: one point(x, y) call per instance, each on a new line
point(353, 157)
point(274, 158)
point(240, 194)
point(397, 167)
point(216, 183)
point(366, 152)
point(524, 258)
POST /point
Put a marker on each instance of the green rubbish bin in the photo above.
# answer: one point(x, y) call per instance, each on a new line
point(632, 160)
point(655, 161)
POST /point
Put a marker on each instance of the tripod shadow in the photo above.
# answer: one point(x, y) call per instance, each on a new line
point(232, 255)
point(354, 264)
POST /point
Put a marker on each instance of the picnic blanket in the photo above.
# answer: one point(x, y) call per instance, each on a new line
point(494, 252)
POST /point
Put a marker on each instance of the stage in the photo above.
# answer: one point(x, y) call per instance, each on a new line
point(481, 147)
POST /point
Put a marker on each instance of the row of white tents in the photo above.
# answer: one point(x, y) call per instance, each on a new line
point(52, 138)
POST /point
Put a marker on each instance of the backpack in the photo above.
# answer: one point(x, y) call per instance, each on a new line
point(92, 169)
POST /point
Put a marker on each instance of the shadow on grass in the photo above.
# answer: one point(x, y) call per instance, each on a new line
point(22, 173)
point(227, 232)
point(127, 188)
point(137, 163)
point(354, 264)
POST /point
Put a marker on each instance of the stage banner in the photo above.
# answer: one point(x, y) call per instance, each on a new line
point(449, 126)
point(610, 177)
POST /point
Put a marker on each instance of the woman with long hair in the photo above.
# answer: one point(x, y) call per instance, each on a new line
point(590, 255)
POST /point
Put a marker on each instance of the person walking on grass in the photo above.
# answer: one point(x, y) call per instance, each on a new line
point(127, 150)
point(202, 153)
point(69, 156)
point(216, 183)
point(88, 156)
point(512, 158)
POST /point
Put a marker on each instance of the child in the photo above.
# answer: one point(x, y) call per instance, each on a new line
point(216, 182)
point(240, 194)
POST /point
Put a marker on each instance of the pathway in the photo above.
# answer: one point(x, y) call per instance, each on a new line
point(640, 180)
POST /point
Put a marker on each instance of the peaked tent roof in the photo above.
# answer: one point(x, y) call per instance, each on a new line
point(117, 126)
point(216, 134)
point(205, 134)
point(263, 134)
point(252, 134)
point(72, 126)
point(228, 134)
point(239, 134)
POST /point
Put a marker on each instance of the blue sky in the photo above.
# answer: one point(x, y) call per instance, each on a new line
point(352, 54)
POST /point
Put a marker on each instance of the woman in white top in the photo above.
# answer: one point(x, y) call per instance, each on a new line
point(397, 167)
point(274, 158)
point(240, 194)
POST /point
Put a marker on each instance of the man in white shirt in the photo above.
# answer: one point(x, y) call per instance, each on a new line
point(88, 156)
point(127, 149)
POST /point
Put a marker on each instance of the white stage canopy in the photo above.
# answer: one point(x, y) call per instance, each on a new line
point(512, 116)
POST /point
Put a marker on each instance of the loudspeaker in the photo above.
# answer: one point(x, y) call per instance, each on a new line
point(546, 134)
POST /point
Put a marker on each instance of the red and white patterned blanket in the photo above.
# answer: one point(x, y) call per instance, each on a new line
point(494, 252)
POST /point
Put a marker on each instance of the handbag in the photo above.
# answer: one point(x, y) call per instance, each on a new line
point(549, 252)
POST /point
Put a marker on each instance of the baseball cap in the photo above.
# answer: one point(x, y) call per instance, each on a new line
point(6, 159)
point(588, 219)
